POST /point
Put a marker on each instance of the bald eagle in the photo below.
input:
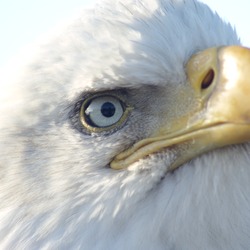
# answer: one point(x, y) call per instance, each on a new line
point(129, 129)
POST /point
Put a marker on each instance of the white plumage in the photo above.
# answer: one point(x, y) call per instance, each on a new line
point(57, 190)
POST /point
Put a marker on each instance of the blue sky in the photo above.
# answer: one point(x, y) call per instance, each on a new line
point(21, 22)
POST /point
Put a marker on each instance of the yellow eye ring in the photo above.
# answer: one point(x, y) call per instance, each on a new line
point(104, 112)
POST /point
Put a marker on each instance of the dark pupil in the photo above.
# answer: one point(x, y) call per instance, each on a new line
point(108, 109)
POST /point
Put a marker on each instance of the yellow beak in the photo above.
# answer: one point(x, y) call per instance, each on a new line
point(219, 79)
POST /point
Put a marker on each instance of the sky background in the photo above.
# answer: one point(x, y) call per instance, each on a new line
point(21, 22)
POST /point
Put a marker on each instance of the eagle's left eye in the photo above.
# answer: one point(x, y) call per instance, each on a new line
point(103, 112)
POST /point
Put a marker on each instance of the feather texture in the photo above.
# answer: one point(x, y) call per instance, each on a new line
point(56, 188)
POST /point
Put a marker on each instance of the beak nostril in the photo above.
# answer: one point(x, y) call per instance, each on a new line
point(208, 79)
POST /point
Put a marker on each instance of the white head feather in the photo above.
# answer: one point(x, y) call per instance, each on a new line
point(56, 188)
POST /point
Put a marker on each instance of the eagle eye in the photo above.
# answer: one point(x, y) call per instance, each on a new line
point(103, 112)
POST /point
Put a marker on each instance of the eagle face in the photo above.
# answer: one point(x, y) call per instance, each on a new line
point(108, 136)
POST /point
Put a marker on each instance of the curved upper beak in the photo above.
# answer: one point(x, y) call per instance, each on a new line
point(220, 81)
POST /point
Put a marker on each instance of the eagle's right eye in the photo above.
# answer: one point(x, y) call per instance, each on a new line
point(104, 112)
